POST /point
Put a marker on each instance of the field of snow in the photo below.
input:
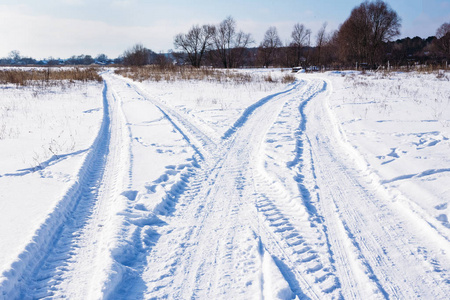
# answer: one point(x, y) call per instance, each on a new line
point(333, 186)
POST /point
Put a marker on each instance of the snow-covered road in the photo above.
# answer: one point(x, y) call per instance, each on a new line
point(279, 205)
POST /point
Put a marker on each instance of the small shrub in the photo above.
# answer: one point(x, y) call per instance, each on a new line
point(268, 78)
point(288, 78)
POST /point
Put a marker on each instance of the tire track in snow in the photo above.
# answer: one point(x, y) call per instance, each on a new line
point(188, 239)
point(75, 262)
point(197, 209)
point(218, 199)
point(164, 273)
point(143, 229)
point(375, 247)
point(199, 141)
point(249, 110)
point(292, 223)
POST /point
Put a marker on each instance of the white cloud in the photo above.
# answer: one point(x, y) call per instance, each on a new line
point(43, 36)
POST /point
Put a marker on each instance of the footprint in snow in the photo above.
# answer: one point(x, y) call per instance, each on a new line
point(393, 153)
point(441, 206)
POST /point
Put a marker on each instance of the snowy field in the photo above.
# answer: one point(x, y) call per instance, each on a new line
point(333, 186)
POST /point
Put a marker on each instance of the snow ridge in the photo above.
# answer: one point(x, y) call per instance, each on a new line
point(21, 273)
point(372, 251)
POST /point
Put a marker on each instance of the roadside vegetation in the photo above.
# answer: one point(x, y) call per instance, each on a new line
point(48, 76)
point(171, 73)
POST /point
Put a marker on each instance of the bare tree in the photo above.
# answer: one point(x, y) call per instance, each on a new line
point(242, 41)
point(229, 44)
point(362, 35)
point(443, 30)
point(14, 55)
point(195, 43)
point(352, 37)
point(321, 40)
point(442, 41)
point(138, 55)
point(330, 49)
point(162, 61)
point(300, 39)
point(102, 58)
point(223, 39)
point(268, 47)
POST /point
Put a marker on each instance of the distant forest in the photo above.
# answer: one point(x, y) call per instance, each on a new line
point(365, 40)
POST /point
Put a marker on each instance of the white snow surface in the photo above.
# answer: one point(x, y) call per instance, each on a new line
point(334, 186)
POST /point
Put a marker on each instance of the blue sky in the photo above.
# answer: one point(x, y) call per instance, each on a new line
point(61, 28)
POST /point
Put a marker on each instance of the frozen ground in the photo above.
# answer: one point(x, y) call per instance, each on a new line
point(334, 186)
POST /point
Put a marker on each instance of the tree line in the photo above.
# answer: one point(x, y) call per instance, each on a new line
point(365, 38)
point(15, 58)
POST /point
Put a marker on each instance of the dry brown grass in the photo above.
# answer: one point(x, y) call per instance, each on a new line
point(48, 76)
point(174, 73)
point(288, 78)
